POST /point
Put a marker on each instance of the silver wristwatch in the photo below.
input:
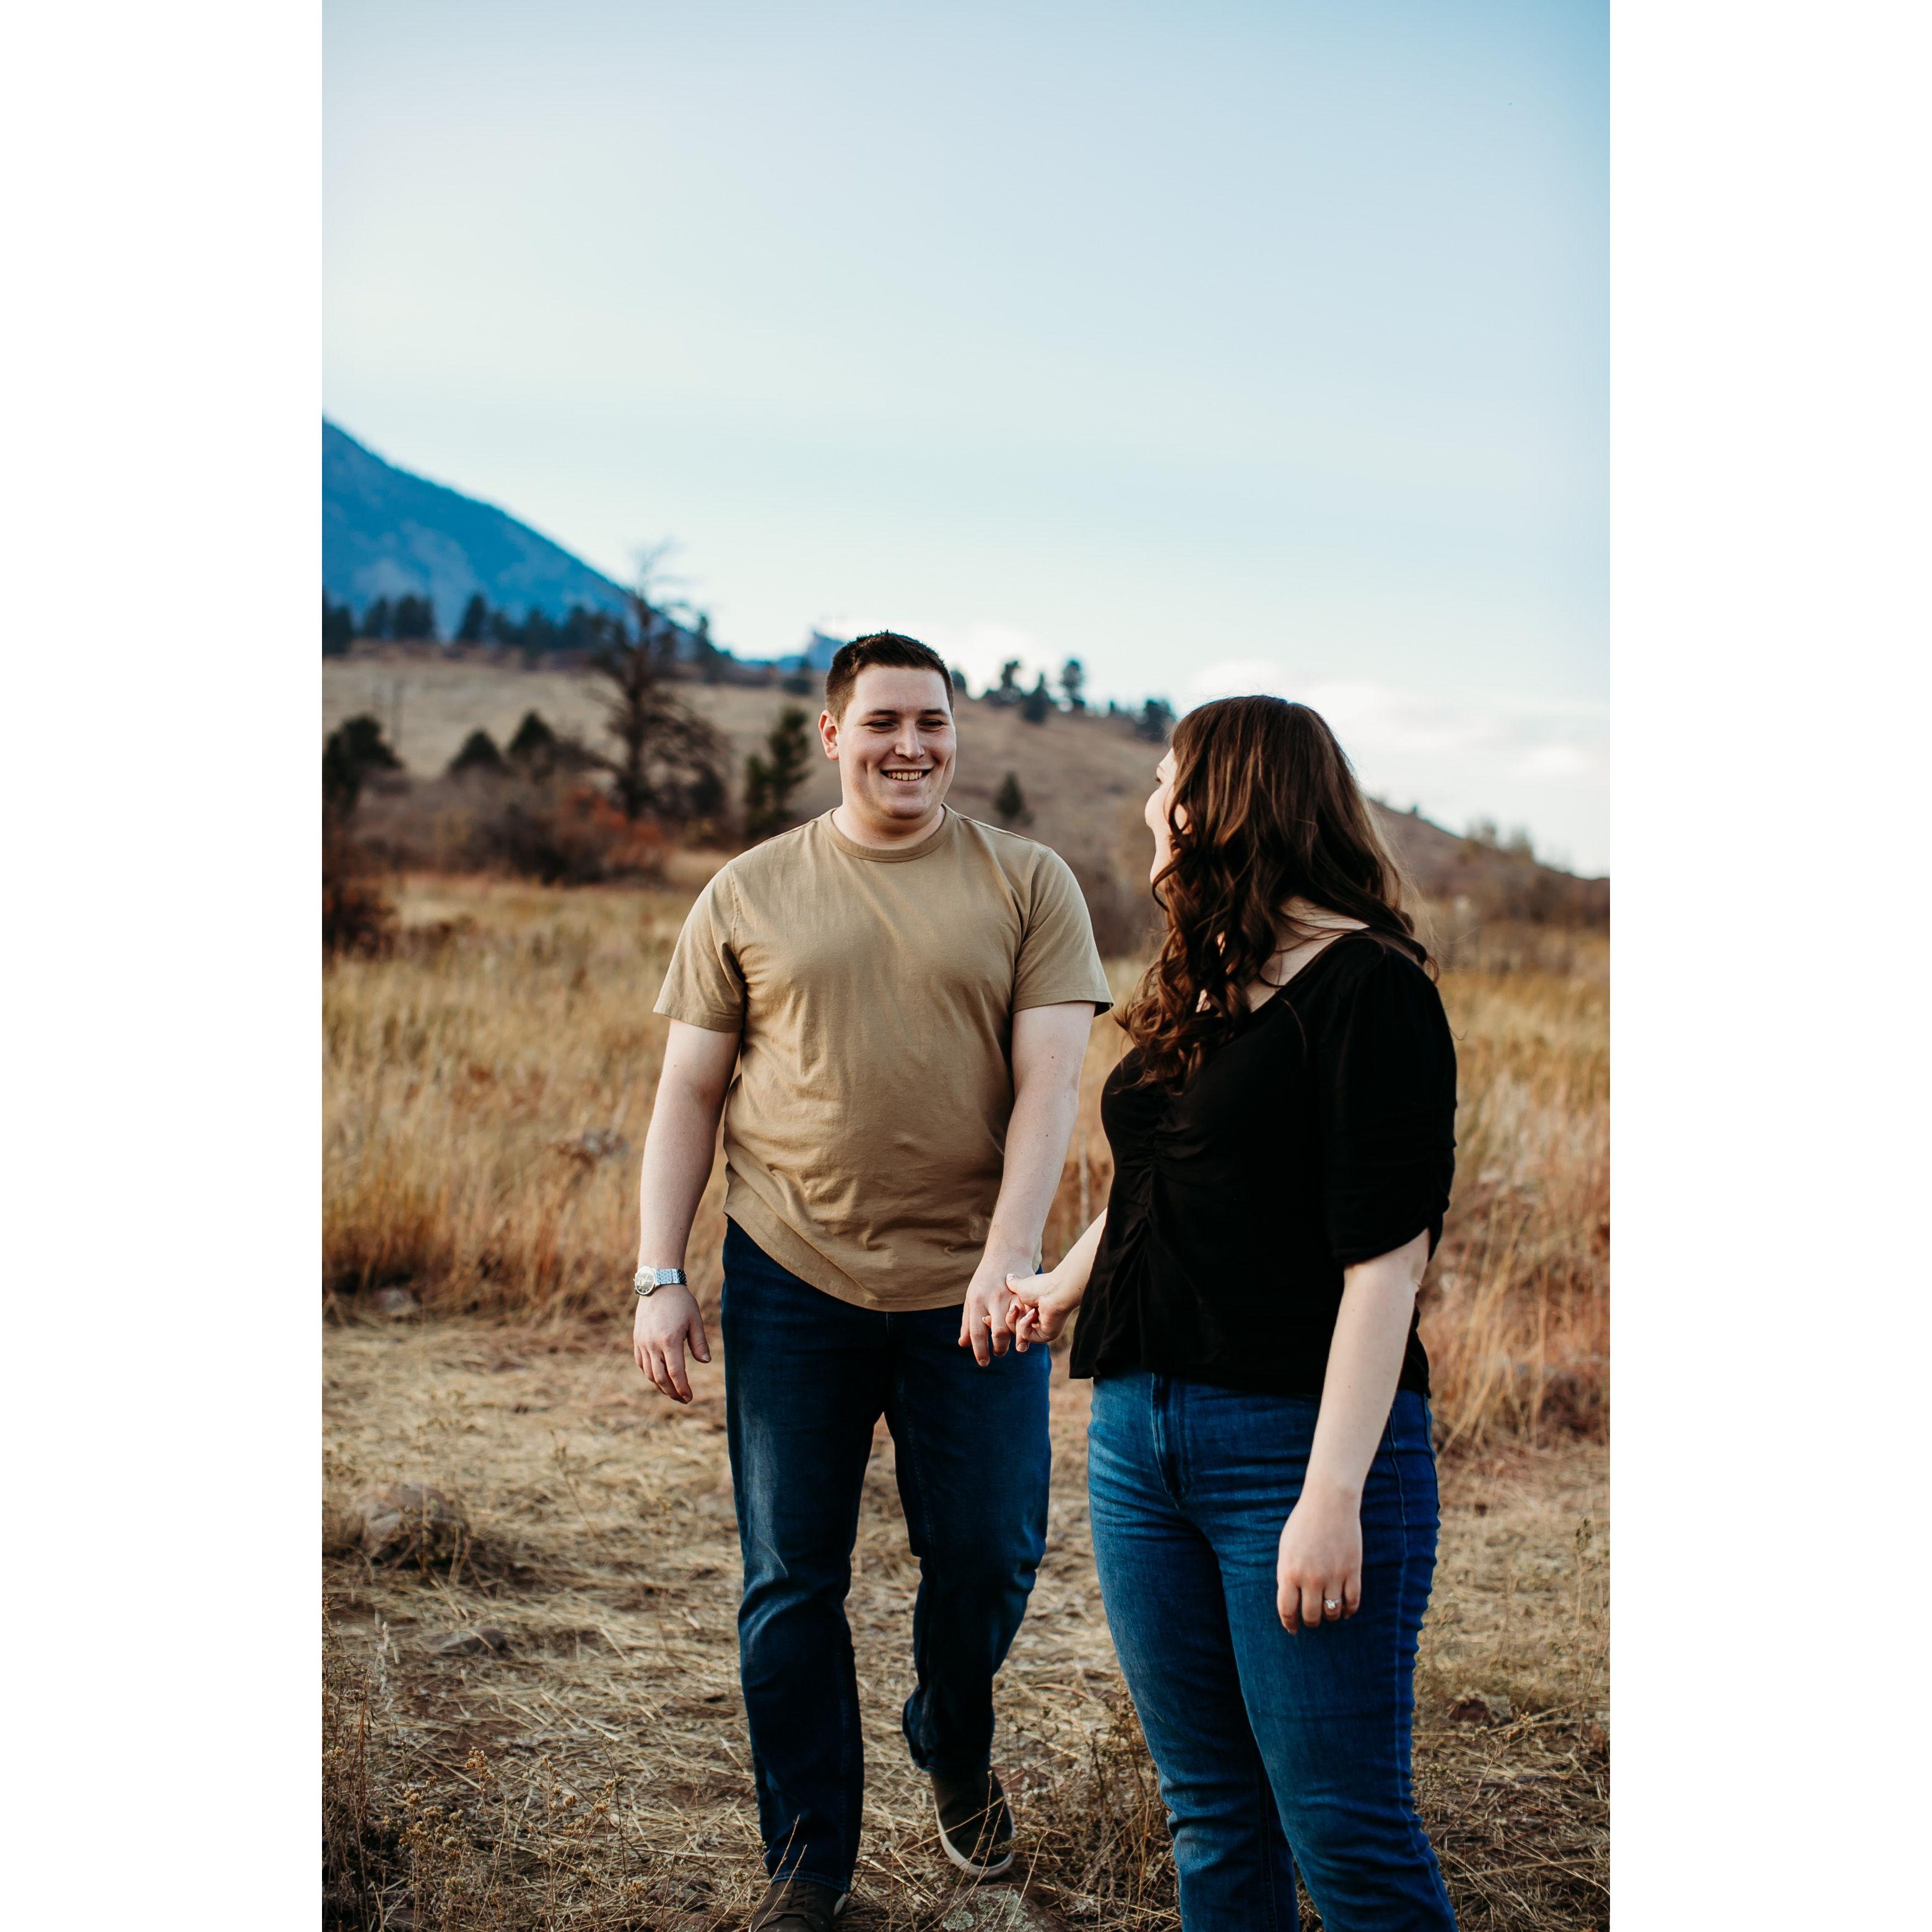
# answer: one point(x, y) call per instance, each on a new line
point(648, 1281)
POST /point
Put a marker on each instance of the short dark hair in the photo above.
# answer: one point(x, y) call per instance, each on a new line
point(879, 647)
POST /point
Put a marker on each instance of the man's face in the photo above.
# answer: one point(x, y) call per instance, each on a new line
point(895, 745)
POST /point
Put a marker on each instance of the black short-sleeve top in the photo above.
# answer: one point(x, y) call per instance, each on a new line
point(1322, 1133)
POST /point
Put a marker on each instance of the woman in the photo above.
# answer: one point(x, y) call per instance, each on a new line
point(1262, 1484)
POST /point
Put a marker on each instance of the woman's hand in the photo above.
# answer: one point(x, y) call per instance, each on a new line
point(1043, 1304)
point(1320, 1560)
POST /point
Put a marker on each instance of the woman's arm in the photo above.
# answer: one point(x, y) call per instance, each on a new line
point(1320, 1560)
point(1046, 1300)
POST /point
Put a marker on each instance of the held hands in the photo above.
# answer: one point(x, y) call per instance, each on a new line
point(1320, 1561)
point(1042, 1303)
point(986, 1321)
point(668, 1320)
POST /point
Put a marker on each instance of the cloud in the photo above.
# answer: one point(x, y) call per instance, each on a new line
point(979, 649)
point(1532, 737)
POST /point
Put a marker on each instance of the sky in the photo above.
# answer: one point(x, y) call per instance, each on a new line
point(1225, 347)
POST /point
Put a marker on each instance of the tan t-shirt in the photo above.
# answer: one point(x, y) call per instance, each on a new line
point(874, 992)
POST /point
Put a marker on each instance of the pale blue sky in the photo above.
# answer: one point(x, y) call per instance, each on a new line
point(1220, 346)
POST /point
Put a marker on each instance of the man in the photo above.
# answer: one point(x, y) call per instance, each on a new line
point(896, 1001)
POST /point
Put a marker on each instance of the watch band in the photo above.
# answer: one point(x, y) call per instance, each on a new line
point(647, 1281)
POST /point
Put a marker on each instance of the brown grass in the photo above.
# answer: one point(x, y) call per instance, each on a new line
point(488, 1084)
point(594, 1775)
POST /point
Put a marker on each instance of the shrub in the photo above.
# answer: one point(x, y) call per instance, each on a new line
point(1009, 804)
point(356, 914)
point(570, 836)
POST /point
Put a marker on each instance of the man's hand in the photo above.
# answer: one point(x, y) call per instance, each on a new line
point(986, 1321)
point(667, 1320)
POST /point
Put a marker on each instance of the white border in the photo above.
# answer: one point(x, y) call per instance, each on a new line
point(1769, 338)
point(160, 354)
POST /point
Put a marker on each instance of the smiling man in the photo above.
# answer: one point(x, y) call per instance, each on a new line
point(890, 1005)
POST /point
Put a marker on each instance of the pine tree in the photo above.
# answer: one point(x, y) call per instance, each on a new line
point(770, 781)
point(959, 682)
point(1073, 682)
point(354, 749)
point(479, 754)
point(475, 620)
point(1037, 703)
point(535, 746)
point(1009, 804)
point(412, 617)
point(1008, 691)
point(338, 628)
point(376, 619)
point(1156, 722)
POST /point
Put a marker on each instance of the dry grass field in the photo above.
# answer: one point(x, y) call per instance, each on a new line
point(488, 1086)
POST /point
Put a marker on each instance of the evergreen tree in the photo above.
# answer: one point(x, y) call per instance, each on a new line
point(1155, 722)
point(479, 754)
point(1073, 682)
point(338, 628)
point(534, 746)
point(413, 618)
point(1037, 703)
point(712, 662)
point(959, 682)
point(1009, 804)
point(475, 620)
point(770, 781)
point(1009, 690)
point(376, 619)
point(354, 749)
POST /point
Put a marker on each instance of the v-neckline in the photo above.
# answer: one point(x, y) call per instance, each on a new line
point(1301, 972)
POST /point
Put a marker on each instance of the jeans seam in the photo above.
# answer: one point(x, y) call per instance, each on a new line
point(1418, 1837)
point(909, 1450)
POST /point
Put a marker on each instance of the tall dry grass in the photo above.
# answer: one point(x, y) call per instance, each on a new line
point(488, 1083)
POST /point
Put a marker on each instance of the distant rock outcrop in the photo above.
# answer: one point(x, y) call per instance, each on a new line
point(386, 533)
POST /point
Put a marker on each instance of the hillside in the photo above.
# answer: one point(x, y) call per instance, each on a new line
point(387, 533)
point(1084, 778)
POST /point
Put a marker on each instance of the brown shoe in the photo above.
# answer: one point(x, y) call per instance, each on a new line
point(797, 1905)
point(976, 1829)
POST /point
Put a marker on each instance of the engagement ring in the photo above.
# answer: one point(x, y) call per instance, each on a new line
point(1330, 1603)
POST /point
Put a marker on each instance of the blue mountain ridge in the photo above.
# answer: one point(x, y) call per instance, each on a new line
point(387, 533)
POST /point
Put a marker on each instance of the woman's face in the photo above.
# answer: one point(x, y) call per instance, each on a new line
point(1155, 815)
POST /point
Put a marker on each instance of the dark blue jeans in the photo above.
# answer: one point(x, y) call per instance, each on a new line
point(806, 1376)
point(1274, 1751)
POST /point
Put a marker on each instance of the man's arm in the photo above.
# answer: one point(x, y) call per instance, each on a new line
point(1049, 1045)
point(678, 1153)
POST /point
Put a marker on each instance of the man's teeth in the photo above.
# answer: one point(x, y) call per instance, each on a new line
point(906, 778)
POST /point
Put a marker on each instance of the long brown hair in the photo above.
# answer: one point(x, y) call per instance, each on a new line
point(1265, 808)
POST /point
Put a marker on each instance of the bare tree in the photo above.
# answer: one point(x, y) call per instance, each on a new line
point(668, 760)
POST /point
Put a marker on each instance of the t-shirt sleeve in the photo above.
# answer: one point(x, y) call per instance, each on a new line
point(1058, 962)
point(703, 987)
point(1384, 1065)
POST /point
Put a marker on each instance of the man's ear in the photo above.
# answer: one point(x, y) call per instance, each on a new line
point(828, 733)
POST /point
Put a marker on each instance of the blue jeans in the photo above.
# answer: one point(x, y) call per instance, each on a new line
point(806, 1376)
point(1274, 1751)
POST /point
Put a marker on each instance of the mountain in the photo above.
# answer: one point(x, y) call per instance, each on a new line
point(387, 533)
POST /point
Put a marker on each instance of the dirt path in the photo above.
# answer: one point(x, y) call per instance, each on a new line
point(594, 1773)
